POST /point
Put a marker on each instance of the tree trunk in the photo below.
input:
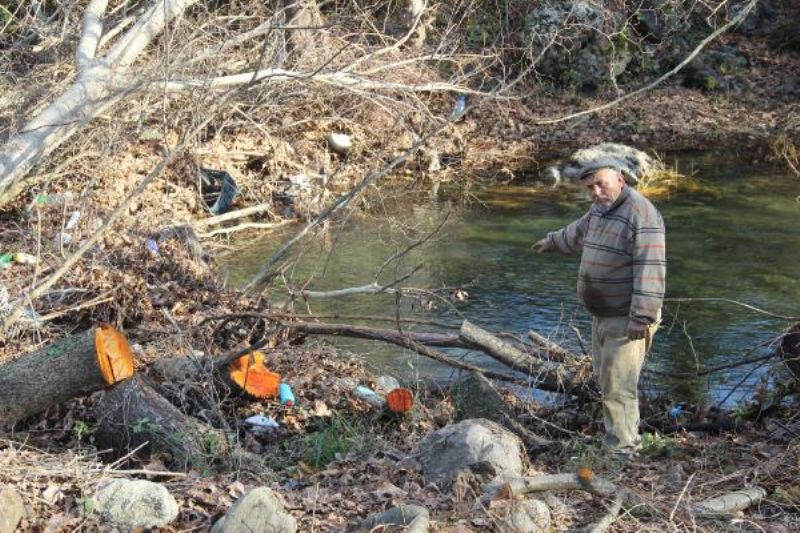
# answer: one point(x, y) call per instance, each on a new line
point(134, 418)
point(550, 375)
point(67, 368)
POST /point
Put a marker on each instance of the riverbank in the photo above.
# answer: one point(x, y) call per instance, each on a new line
point(334, 460)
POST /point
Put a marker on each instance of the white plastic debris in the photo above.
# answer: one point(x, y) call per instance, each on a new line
point(260, 424)
point(74, 218)
point(340, 142)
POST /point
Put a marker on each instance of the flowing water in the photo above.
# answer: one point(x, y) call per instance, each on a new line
point(742, 243)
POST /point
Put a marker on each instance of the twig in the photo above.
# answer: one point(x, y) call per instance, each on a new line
point(245, 226)
point(680, 496)
point(609, 518)
point(233, 215)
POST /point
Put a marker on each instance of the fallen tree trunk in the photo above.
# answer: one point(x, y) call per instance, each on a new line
point(572, 378)
point(549, 375)
point(64, 369)
point(133, 418)
point(400, 340)
point(387, 335)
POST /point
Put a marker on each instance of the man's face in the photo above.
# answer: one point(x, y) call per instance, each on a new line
point(604, 186)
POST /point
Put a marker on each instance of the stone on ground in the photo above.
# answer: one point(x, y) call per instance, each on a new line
point(527, 516)
point(12, 509)
point(135, 504)
point(406, 518)
point(479, 445)
point(258, 511)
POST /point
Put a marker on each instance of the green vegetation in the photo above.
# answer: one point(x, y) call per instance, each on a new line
point(658, 445)
point(340, 436)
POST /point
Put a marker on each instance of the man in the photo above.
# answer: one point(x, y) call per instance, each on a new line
point(621, 283)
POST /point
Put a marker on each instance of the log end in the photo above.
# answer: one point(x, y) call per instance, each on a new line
point(114, 355)
point(249, 373)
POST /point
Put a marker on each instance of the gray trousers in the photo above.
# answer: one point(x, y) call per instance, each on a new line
point(616, 364)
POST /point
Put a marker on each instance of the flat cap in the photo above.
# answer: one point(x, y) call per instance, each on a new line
point(600, 163)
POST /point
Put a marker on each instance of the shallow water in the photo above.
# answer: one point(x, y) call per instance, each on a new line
point(743, 244)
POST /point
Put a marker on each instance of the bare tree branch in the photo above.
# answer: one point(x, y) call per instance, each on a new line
point(90, 36)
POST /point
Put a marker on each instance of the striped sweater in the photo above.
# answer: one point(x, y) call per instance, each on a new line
point(623, 262)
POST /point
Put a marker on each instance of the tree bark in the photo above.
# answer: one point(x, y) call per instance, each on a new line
point(364, 332)
point(730, 503)
point(550, 375)
point(62, 370)
point(133, 417)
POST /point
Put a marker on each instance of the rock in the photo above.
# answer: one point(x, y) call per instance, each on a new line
point(475, 397)
point(258, 511)
point(659, 18)
point(479, 445)
point(635, 163)
point(406, 518)
point(574, 39)
point(341, 143)
point(12, 509)
point(527, 516)
point(135, 504)
point(177, 369)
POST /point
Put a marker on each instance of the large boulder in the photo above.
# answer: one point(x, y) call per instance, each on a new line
point(130, 505)
point(258, 511)
point(634, 163)
point(477, 445)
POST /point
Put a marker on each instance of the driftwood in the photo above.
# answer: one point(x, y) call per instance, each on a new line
point(730, 503)
point(76, 365)
point(134, 418)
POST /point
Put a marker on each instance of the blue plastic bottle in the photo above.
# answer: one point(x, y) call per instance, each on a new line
point(286, 395)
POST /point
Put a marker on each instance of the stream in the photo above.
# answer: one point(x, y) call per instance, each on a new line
point(740, 243)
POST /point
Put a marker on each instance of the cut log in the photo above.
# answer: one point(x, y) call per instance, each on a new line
point(134, 418)
point(549, 375)
point(76, 365)
point(730, 503)
point(584, 479)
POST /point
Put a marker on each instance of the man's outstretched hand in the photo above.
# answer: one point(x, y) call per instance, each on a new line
point(636, 330)
point(541, 246)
